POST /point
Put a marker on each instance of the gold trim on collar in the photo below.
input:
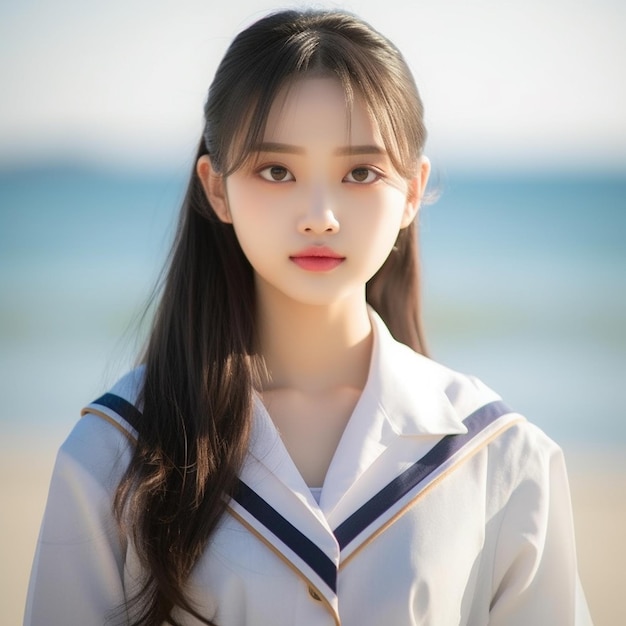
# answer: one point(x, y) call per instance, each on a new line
point(423, 492)
point(320, 596)
point(110, 420)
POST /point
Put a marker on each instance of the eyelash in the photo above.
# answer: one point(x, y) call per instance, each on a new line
point(370, 170)
point(268, 168)
point(265, 174)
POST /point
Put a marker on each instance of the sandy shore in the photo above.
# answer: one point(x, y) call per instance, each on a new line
point(598, 493)
point(598, 485)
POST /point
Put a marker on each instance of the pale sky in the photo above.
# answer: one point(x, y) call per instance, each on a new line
point(509, 83)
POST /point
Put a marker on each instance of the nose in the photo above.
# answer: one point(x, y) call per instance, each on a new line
point(318, 217)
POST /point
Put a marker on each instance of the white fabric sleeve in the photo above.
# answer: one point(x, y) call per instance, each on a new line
point(77, 574)
point(535, 579)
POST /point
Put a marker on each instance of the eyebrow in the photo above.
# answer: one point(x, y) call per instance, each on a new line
point(365, 149)
point(285, 148)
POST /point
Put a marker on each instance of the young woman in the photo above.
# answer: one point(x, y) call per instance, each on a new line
point(286, 453)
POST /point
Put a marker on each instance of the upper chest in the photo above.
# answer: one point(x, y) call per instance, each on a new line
point(310, 426)
point(400, 566)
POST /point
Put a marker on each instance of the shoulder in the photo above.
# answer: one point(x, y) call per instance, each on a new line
point(100, 443)
point(429, 386)
point(517, 443)
point(467, 393)
point(121, 405)
point(517, 453)
point(519, 465)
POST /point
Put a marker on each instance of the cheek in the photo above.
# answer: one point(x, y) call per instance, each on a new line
point(248, 212)
point(252, 234)
point(380, 221)
point(258, 229)
point(375, 242)
point(254, 203)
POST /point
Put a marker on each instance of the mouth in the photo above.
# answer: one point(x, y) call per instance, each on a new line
point(317, 259)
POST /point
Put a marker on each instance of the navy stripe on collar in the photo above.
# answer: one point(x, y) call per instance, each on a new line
point(286, 532)
point(127, 411)
point(410, 478)
point(365, 515)
point(299, 543)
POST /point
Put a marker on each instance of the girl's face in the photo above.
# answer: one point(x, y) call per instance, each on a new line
point(318, 205)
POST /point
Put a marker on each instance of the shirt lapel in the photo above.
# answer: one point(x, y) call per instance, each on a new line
point(408, 406)
point(274, 503)
point(403, 411)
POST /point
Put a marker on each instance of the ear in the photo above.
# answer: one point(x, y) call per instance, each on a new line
point(214, 187)
point(415, 192)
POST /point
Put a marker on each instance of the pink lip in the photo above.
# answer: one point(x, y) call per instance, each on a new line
point(317, 259)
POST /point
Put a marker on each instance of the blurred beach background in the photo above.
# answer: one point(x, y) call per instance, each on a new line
point(524, 250)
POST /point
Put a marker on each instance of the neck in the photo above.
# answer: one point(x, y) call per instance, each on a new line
point(313, 348)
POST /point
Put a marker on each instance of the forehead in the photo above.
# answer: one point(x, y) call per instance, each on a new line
point(315, 110)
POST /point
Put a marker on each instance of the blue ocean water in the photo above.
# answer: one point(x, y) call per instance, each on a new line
point(524, 286)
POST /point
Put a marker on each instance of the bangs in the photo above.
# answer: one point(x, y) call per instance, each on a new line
point(379, 76)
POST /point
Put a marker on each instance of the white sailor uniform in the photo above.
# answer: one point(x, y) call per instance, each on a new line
point(441, 507)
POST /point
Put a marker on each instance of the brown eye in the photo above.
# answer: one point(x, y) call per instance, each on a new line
point(360, 174)
point(276, 174)
point(363, 175)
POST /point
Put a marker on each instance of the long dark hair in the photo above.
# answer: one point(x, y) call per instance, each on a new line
point(199, 360)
